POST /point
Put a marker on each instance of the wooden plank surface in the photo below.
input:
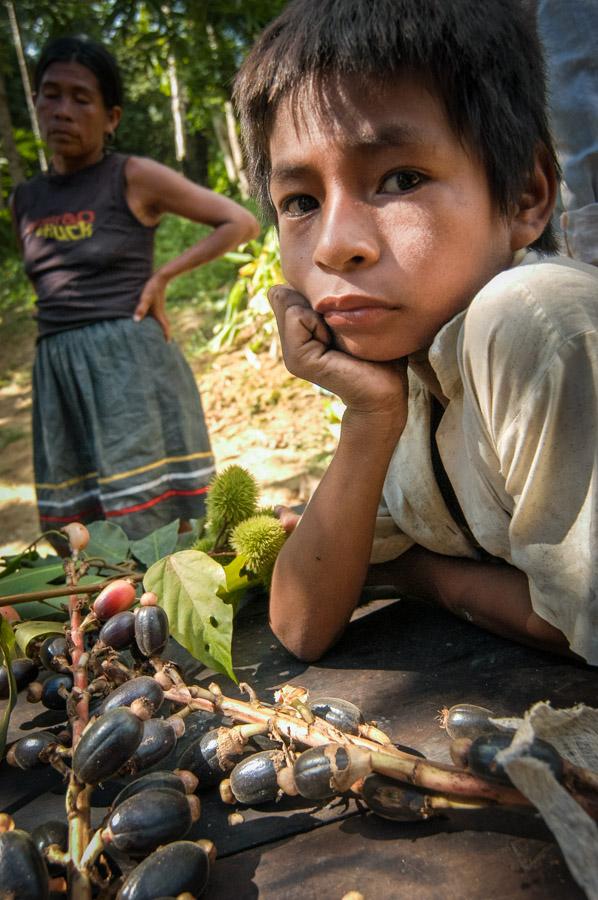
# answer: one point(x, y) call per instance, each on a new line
point(401, 664)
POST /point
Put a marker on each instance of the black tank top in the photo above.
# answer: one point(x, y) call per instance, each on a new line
point(85, 252)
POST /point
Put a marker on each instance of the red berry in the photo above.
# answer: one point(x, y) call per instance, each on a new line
point(10, 614)
point(116, 597)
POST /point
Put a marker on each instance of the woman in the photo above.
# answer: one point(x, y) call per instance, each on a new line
point(118, 428)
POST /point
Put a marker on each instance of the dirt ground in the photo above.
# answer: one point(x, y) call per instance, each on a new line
point(258, 416)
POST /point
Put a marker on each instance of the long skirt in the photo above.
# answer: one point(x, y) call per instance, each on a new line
point(118, 429)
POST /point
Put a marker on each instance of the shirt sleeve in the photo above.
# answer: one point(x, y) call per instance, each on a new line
point(389, 541)
point(538, 399)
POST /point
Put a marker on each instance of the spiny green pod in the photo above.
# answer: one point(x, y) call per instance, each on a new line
point(54, 654)
point(53, 690)
point(330, 769)
point(232, 497)
point(48, 834)
point(254, 780)
point(391, 800)
point(119, 631)
point(342, 714)
point(260, 539)
point(24, 671)
point(23, 873)
point(116, 597)
point(466, 720)
point(151, 630)
point(106, 745)
point(154, 817)
point(143, 691)
point(181, 781)
point(159, 738)
point(25, 753)
point(179, 867)
point(483, 751)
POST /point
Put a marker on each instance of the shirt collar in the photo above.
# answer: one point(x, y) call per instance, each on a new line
point(442, 355)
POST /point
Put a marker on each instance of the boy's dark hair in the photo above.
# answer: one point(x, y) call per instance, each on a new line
point(483, 58)
point(87, 53)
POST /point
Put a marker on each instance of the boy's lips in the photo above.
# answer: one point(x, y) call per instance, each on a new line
point(353, 309)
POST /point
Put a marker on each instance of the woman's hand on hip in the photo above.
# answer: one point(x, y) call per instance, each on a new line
point(153, 302)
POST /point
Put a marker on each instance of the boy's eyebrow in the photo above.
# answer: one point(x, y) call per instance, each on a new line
point(389, 135)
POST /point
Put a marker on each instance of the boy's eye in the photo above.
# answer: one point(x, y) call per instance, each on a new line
point(401, 182)
point(299, 205)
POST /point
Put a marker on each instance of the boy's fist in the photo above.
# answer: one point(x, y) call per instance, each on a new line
point(309, 352)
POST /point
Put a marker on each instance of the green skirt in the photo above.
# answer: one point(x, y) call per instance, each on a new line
point(118, 429)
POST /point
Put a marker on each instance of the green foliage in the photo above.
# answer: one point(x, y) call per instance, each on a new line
point(209, 282)
point(156, 545)
point(191, 586)
point(247, 302)
point(7, 643)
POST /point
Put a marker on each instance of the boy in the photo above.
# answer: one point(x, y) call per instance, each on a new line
point(402, 146)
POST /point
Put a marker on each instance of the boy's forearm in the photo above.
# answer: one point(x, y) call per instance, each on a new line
point(494, 596)
point(321, 570)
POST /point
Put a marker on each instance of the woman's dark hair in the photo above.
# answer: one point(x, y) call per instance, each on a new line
point(482, 58)
point(87, 53)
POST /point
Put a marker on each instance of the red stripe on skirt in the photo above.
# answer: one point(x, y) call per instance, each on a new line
point(128, 509)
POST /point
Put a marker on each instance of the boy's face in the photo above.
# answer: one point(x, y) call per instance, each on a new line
point(386, 222)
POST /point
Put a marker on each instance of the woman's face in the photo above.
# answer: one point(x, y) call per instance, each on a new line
point(73, 117)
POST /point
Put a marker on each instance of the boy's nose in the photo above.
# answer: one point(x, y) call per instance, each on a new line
point(347, 239)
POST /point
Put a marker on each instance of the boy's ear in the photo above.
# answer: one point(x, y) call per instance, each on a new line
point(536, 202)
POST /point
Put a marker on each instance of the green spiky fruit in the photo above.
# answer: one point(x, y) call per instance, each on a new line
point(232, 497)
point(267, 511)
point(204, 544)
point(260, 539)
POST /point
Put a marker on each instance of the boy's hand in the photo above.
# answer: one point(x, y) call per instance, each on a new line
point(309, 352)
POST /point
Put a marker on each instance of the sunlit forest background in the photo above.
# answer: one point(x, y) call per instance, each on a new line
point(178, 60)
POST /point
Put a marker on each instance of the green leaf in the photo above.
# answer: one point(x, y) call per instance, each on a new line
point(157, 545)
point(108, 541)
point(27, 580)
point(187, 584)
point(27, 631)
point(7, 640)
point(236, 579)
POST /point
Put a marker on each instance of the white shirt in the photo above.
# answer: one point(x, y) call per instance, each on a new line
point(518, 440)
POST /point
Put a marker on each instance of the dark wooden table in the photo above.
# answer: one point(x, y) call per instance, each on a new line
point(401, 663)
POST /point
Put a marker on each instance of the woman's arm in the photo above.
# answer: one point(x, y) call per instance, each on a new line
point(154, 189)
point(494, 596)
point(321, 569)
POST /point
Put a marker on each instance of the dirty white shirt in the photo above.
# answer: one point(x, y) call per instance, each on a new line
point(518, 440)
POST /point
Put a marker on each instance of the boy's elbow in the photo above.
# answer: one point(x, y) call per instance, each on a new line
point(299, 642)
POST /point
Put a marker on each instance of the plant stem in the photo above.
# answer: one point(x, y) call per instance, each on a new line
point(65, 591)
point(77, 795)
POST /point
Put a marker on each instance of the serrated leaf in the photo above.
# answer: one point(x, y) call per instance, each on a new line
point(27, 580)
point(108, 541)
point(27, 631)
point(187, 584)
point(157, 545)
point(7, 641)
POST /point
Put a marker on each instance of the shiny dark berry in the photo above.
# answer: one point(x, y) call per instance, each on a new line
point(24, 671)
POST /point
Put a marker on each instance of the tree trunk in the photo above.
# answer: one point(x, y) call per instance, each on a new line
point(7, 141)
point(16, 37)
point(176, 106)
point(231, 128)
point(222, 137)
